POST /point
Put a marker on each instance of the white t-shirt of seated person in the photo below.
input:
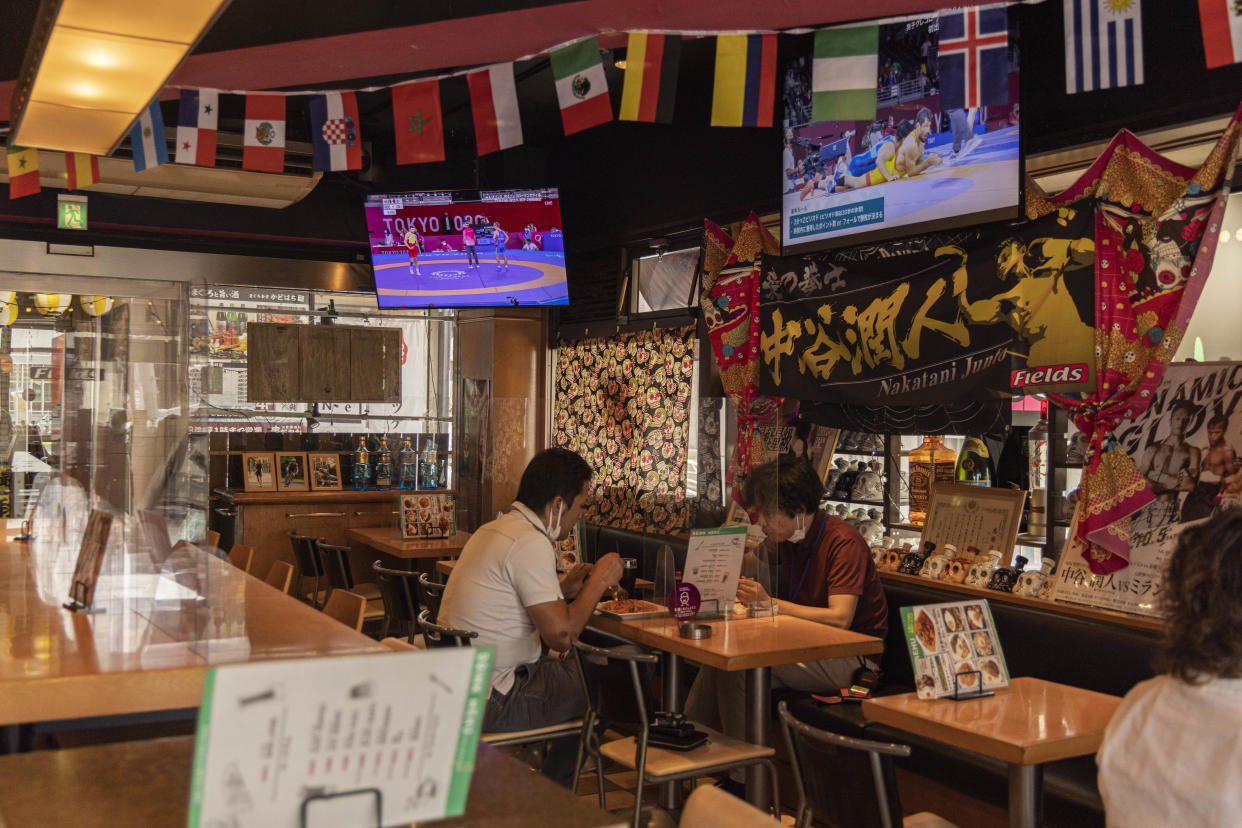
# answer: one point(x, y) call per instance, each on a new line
point(505, 567)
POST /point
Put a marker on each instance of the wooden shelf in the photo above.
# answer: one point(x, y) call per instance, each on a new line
point(327, 496)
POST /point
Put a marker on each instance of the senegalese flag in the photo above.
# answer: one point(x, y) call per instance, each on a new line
point(650, 90)
point(845, 72)
point(581, 86)
point(82, 169)
point(23, 171)
point(745, 88)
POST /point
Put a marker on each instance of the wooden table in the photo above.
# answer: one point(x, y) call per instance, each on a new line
point(752, 644)
point(147, 783)
point(387, 539)
point(141, 653)
point(1026, 724)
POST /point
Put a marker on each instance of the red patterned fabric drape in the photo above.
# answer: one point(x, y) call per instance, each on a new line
point(623, 403)
point(1156, 228)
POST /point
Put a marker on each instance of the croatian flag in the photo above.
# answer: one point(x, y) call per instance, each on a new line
point(197, 120)
point(973, 57)
point(147, 140)
point(1103, 44)
point(334, 131)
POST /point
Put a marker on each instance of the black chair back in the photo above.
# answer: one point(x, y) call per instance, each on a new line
point(430, 592)
point(398, 589)
point(306, 558)
point(335, 561)
point(436, 635)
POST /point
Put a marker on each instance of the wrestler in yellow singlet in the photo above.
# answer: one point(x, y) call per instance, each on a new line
point(877, 177)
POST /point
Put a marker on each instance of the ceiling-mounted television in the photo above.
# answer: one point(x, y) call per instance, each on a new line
point(942, 151)
point(467, 248)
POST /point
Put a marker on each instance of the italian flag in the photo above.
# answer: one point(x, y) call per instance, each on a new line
point(1222, 32)
point(843, 76)
point(581, 87)
point(23, 171)
point(494, 105)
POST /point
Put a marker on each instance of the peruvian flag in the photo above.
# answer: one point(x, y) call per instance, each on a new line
point(494, 103)
point(334, 131)
point(581, 87)
point(263, 145)
point(1222, 31)
point(197, 120)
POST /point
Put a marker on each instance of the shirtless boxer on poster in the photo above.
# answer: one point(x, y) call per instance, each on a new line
point(1219, 462)
point(1171, 467)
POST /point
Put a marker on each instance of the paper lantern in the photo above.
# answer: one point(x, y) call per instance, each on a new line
point(8, 306)
point(52, 304)
point(95, 305)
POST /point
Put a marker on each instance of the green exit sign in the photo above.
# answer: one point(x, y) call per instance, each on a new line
point(71, 212)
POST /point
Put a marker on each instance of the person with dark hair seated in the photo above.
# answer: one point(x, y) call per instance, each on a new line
point(505, 588)
point(826, 574)
point(1170, 755)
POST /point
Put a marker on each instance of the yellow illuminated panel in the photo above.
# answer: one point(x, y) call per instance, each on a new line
point(103, 71)
point(179, 22)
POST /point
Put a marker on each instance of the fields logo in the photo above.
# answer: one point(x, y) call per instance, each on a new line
point(1049, 375)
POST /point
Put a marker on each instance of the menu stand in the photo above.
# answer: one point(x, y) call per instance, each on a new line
point(973, 694)
point(78, 597)
point(310, 797)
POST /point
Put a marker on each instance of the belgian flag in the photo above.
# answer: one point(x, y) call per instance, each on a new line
point(650, 90)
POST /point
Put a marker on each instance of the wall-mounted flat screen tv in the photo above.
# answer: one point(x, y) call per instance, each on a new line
point(931, 159)
point(463, 248)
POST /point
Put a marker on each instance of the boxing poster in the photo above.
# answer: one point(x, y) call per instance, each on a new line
point(947, 320)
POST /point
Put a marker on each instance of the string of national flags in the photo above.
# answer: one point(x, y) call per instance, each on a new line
point(1103, 49)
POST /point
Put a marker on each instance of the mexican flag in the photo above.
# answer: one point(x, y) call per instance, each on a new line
point(581, 87)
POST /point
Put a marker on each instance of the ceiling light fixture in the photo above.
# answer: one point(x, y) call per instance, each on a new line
point(92, 66)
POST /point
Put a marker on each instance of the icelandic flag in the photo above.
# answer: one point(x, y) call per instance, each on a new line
point(973, 57)
point(334, 131)
point(147, 140)
point(1103, 44)
point(197, 120)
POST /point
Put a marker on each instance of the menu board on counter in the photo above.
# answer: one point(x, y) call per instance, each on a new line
point(1134, 589)
point(346, 735)
point(967, 516)
point(954, 649)
point(713, 564)
point(427, 516)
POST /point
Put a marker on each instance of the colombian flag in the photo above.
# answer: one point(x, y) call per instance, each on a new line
point(650, 88)
point(82, 169)
point(745, 89)
point(23, 171)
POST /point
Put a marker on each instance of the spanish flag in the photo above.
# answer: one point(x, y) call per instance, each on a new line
point(23, 171)
point(82, 169)
point(650, 90)
point(745, 89)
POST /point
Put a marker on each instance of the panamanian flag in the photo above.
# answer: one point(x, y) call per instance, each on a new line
point(973, 57)
point(197, 120)
point(334, 131)
point(146, 138)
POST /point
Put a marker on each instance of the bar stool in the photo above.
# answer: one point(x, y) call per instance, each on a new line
point(309, 565)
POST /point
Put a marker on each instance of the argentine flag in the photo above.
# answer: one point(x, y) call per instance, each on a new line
point(147, 139)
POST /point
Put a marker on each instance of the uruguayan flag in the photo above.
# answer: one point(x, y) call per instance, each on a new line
point(1103, 44)
point(147, 138)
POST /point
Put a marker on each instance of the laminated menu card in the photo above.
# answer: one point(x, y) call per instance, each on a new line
point(952, 641)
point(714, 563)
point(383, 739)
point(427, 516)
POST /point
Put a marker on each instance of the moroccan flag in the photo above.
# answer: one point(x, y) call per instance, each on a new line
point(844, 73)
point(416, 119)
point(1221, 21)
point(198, 118)
point(581, 87)
point(494, 105)
point(973, 57)
point(650, 88)
point(334, 131)
point(745, 88)
point(23, 171)
point(147, 140)
point(263, 144)
point(82, 169)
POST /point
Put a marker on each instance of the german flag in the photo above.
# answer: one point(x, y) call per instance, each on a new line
point(23, 171)
point(745, 88)
point(82, 169)
point(650, 90)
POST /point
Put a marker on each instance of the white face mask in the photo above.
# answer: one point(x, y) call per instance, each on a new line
point(800, 532)
point(554, 531)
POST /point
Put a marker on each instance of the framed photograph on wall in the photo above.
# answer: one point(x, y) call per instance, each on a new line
point(260, 471)
point(291, 474)
point(325, 471)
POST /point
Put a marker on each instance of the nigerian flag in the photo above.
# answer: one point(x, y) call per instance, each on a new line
point(844, 78)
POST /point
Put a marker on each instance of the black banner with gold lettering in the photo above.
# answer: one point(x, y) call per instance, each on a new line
point(953, 320)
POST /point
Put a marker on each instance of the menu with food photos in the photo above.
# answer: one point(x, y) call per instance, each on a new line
point(427, 515)
point(954, 640)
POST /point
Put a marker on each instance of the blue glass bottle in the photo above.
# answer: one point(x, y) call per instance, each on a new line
point(429, 467)
point(362, 464)
point(407, 466)
point(383, 466)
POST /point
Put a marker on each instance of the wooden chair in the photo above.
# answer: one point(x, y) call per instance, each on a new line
point(242, 557)
point(280, 575)
point(335, 562)
point(712, 807)
point(825, 781)
point(346, 607)
point(655, 765)
point(306, 557)
point(213, 539)
point(398, 588)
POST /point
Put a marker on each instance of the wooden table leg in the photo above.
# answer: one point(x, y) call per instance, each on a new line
point(1026, 796)
point(758, 709)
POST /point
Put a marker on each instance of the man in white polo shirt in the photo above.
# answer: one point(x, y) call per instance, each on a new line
point(505, 588)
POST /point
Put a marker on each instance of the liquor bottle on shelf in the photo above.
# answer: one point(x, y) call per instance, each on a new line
point(429, 467)
point(383, 466)
point(407, 466)
point(1037, 460)
point(362, 464)
point(932, 462)
point(974, 463)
